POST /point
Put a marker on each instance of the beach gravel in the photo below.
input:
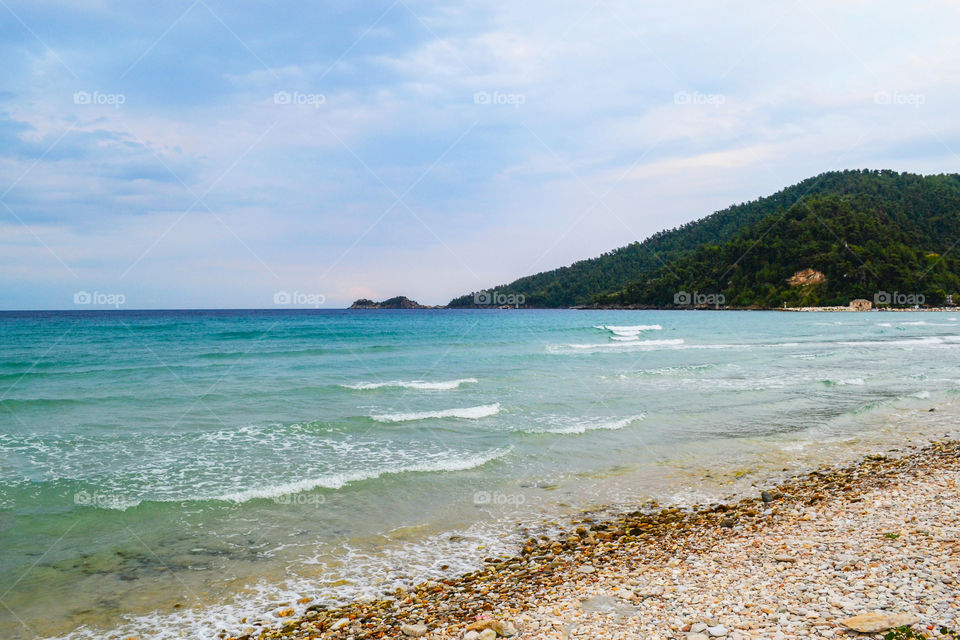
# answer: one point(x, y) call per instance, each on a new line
point(838, 551)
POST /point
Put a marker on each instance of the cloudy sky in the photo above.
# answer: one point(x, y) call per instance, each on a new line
point(206, 153)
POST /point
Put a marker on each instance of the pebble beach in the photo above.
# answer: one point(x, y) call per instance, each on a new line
point(843, 551)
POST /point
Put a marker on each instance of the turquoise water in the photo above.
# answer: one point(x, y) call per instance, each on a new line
point(187, 469)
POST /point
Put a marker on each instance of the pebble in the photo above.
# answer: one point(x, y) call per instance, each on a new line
point(414, 630)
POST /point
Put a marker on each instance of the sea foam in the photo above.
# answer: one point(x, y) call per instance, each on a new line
point(465, 413)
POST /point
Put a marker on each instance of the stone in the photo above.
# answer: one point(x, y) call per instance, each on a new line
point(414, 630)
point(586, 568)
point(471, 635)
point(876, 622)
point(698, 627)
point(504, 628)
point(783, 557)
point(766, 496)
point(717, 631)
point(339, 624)
point(487, 634)
point(697, 636)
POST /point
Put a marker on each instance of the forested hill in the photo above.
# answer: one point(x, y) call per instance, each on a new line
point(866, 231)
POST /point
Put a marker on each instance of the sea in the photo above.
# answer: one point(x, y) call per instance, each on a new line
point(167, 474)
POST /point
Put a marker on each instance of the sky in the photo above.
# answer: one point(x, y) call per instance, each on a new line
point(214, 154)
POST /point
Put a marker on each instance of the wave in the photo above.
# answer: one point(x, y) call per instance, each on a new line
point(931, 340)
point(633, 344)
point(443, 385)
point(624, 330)
point(328, 481)
point(582, 425)
point(846, 382)
point(466, 413)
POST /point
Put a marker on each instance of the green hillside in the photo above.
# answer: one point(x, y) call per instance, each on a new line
point(866, 231)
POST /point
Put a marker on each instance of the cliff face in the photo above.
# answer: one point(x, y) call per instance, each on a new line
point(398, 302)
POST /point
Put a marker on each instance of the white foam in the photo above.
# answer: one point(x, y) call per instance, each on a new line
point(895, 343)
point(923, 395)
point(629, 329)
point(633, 344)
point(567, 425)
point(339, 480)
point(466, 413)
point(443, 385)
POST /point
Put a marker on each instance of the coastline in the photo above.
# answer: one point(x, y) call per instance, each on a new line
point(845, 540)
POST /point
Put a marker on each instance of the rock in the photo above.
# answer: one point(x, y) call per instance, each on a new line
point(487, 634)
point(471, 635)
point(697, 636)
point(782, 557)
point(505, 628)
point(718, 631)
point(698, 627)
point(339, 624)
point(414, 630)
point(766, 496)
point(876, 622)
point(586, 568)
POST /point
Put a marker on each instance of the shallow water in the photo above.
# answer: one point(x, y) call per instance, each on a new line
point(187, 469)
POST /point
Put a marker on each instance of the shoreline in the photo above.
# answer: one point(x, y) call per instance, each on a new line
point(580, 581)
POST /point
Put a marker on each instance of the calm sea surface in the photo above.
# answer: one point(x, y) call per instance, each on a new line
point(168, 473)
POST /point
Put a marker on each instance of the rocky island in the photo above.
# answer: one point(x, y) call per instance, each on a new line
point(397, 302)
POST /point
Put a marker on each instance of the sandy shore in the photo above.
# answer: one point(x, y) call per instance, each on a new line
point(882, 535)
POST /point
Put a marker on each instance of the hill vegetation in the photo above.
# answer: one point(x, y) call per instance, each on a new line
point(865, 231)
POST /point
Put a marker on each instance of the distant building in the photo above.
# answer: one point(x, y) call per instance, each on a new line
point(861, 305)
